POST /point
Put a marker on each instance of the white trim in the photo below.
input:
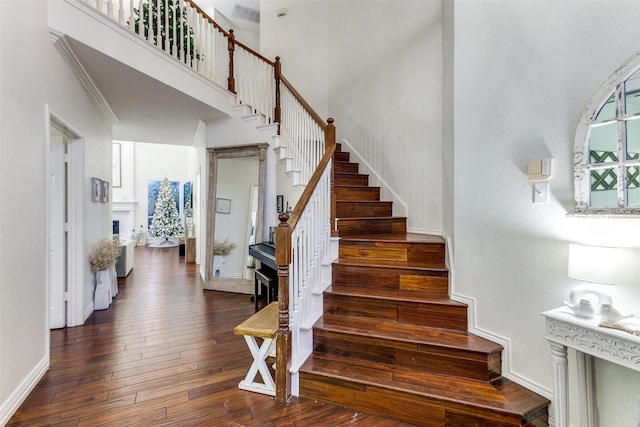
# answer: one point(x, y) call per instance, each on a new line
point(472, 327)
point(65, 49)
point(399, 206)
point(26, 386)
point(425, 231)
point(75, 220)
point(505, 342)
point(199, 139)
point(88, 310)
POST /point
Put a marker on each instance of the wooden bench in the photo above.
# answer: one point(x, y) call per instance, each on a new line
point(263, 324)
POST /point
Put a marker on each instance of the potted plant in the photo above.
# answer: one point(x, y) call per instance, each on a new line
point(220, 249)
point(102, 260)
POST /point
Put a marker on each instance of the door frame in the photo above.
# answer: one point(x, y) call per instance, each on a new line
point(76, 264)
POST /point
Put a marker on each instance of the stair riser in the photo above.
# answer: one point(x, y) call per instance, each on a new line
point(407, 407)
point(424, 313)
point(435, 359)
point(350, 179)
point(345, 167)
point(363, 209)
point(392, 278)
point(369, 226)
point(356, 193)
point(341, 156)
point(431, 254)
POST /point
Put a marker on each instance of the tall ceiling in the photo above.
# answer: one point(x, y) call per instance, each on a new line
point(234, 11)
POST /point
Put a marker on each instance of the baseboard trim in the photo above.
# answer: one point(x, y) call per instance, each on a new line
point(88, 310)
point(507, 366)
point(400, 207)
point(20, 394)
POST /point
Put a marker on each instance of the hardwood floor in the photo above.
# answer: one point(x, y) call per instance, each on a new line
point(164, 354)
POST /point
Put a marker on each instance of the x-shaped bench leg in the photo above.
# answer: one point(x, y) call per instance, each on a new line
point(259, 354)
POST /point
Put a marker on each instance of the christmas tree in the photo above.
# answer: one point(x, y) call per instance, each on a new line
point(166, 222)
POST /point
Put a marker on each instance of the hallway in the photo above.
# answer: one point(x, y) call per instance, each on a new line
point(164, 353)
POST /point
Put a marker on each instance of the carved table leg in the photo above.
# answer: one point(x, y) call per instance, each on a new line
point(560, 384)
point(586, 390)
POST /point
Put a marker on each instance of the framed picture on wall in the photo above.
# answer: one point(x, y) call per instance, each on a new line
point(105, 192)
point(223, 205)
point(96, 189)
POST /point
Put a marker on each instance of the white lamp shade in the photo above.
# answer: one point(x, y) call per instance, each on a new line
point(595, 264)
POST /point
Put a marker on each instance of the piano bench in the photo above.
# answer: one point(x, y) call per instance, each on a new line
point(269, 279)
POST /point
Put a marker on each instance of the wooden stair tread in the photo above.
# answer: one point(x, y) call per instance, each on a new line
point(506, 397)
point(355, 186)
point(402, 332)
point(414, 265)
point(348, 174)
point(398, 237)
point(405, 295)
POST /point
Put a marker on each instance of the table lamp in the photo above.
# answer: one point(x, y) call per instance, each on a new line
point(596, 266)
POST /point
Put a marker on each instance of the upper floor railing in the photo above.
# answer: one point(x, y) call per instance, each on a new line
point(184, 31)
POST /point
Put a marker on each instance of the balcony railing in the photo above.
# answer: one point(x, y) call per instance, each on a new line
point(185, 32)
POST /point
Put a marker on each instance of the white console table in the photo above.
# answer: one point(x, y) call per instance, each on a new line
point(564, 330)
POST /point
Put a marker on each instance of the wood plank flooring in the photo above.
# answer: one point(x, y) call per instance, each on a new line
point(164, 354)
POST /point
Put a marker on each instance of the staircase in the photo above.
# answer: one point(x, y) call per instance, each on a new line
point(390, 341)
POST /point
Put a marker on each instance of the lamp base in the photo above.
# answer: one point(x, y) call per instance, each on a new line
point(591, 292)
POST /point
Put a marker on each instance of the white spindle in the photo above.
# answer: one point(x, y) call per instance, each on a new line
point(310, 249)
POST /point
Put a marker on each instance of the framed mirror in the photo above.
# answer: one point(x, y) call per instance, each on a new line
point(215, 156)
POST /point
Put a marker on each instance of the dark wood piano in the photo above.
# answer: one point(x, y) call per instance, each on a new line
point(267, 274)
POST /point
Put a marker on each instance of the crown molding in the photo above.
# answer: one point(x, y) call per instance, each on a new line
point(62, 44)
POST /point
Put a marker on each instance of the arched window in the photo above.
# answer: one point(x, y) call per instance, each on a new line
point(607, 147)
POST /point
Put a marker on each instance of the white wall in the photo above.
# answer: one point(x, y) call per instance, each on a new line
point(301, 39)
point(385, 92)
point(40, 77)
point(376, 67)
point(523, 74)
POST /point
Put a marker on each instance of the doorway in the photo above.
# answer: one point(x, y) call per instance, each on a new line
point(63, 189)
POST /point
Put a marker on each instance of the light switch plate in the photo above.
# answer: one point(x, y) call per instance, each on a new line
point(541, 193)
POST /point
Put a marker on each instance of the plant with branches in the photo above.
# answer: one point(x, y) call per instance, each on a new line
point(168, 22)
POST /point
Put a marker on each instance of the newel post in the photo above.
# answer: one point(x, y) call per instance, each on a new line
point(283, 336)
point(329, 140)
point(231, 46)
point(277, 72)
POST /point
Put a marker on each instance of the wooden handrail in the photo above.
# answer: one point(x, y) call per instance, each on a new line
point(313, 182)
point(304, 103)
point(288, 223)
point(284, 233)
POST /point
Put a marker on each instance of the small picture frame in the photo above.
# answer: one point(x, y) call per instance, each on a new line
point(96, 189)
point(223, 205)
point(280, 203)
point(105, 192)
